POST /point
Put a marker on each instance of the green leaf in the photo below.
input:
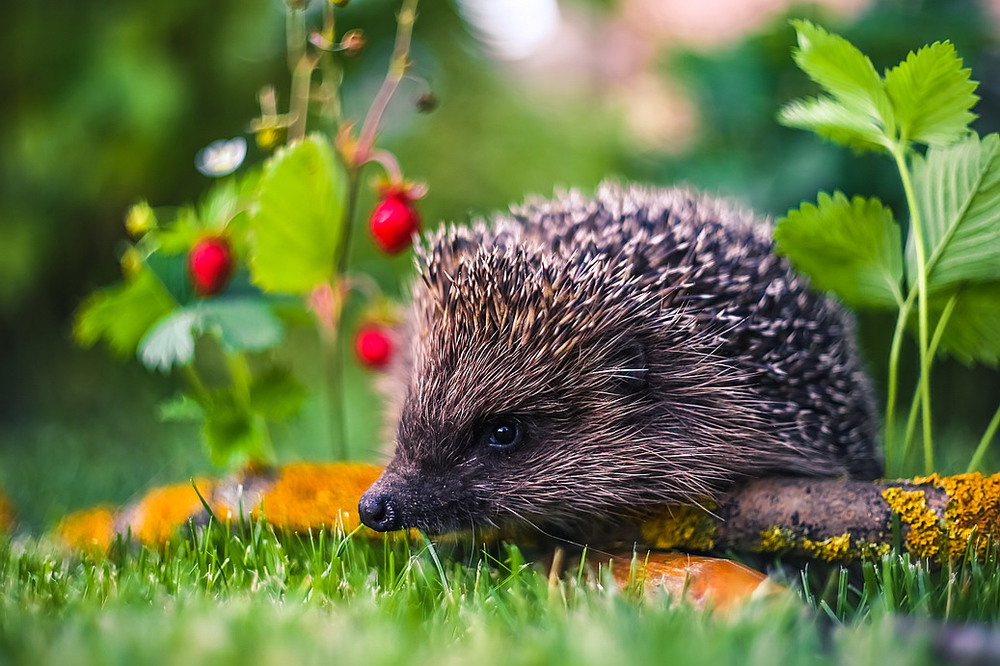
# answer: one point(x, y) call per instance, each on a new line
point(932, 94)
point(171, 270)
point(851, 248)
point(239, 324)
point(231, 433)
point(833, 121)
point(971, 335)
point(296, 230)
point(170, 342)
point(844, 72)
point(181, 407)
point(178, 236)
point(276, 394)
point(958, 196)
point(121, 315)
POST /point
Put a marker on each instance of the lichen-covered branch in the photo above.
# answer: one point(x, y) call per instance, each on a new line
point(936, 517)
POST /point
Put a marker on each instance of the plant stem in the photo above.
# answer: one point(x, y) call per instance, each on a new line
point(893, 382)
point(332, 349)
point(195, 381)
point(911, 421)
point(916, 230)
point(333, 398)
point(295, 36)
point(332, 75)
point(984, 443)
point(397, 70)
point(242, 377)
point(301, 82)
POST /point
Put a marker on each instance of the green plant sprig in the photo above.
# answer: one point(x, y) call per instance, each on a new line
point(287, 224)
point(949, 266)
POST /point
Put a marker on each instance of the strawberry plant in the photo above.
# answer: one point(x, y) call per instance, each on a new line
point(266, 248)
point(941, 271)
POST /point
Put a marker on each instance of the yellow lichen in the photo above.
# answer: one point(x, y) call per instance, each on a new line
point(832, 549)
point(924, 536)
point(310, 496)
point(687, 527)
point(776, 539)
point(972, 516)
point(868, 550)
point(162, 511)
point(90, 530)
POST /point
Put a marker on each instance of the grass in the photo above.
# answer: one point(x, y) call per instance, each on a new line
point(252, 597)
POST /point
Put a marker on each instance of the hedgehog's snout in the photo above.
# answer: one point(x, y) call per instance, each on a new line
point(379, 509)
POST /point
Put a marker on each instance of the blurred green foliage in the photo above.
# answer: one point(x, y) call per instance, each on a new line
point(107, 102)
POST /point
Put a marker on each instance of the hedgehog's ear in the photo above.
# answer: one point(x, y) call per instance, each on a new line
point(631, 367)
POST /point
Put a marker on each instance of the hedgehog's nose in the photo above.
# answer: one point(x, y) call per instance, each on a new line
point(377, 510)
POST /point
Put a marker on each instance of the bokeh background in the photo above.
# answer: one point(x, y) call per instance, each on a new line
point(105, 102)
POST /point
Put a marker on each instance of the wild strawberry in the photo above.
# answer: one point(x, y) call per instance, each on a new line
point(394, 221)
point(373, 345)
point(210, 265)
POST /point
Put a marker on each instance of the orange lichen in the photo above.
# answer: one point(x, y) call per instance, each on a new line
point(88, 530)
point(311, 496)
point(924, 536)
point(688, 527)
point(972, 516)
point(162, 511)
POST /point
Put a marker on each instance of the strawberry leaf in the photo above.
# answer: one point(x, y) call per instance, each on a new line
point(833, 121)
point(232, 434)
point(181, 408)
point(276, 394)
point(122, 314)
point(238, 323)
point(845, 73)
point(958, 196)
point(971, 332)
point(932, 95)
point(296, 231)
point(850, 247)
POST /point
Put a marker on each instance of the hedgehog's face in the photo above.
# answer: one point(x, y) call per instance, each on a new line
point(522, 390)
point(499, 440)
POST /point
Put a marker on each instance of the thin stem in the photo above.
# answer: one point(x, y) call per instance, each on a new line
point(388, 162)
point(916, 229)
point(911, 421)
point(893, 389)
point(984, 443)
point(332, 74)
point(301, 82)
point(353, 194)
point(398, 64)
point(195, 382)
point(242, 378)
point(333, 398)
point(295, 37)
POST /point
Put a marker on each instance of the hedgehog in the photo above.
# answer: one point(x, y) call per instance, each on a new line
point(584, 361)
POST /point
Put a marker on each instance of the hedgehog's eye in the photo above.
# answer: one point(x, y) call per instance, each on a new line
point(501, 434)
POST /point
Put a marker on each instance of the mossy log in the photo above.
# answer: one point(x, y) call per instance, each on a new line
point(936, 517)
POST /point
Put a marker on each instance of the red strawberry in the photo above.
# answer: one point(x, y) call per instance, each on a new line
point(373, 345)
point(393, 222)
point(210, 265)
